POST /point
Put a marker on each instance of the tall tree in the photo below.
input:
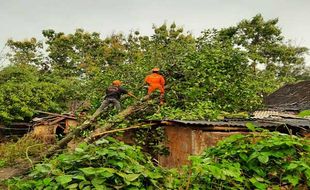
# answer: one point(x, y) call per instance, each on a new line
point(29, 51)
point(265, 45)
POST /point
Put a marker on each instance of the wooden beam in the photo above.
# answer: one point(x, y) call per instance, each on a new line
point(55, 114)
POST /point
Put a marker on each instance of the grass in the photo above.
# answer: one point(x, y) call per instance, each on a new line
point(13, 153)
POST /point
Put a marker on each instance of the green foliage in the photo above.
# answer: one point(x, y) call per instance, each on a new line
point(24, 89)
point(108, 164)
point(265, 45)
point(304, 113)
point(21, 92)
point(202, 110)
point(151, 140)
point(26, 52)
point(229, 70)
point(256, 161)
point(221, 70)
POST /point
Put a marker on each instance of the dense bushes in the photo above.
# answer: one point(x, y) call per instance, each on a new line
point(266, 160)
point(256, 161)
point(106, 165)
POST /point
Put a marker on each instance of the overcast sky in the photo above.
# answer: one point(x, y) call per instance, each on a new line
point(22, 19)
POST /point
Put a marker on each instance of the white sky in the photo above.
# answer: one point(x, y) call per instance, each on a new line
point(22, 19)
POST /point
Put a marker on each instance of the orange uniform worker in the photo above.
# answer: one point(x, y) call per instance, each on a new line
point(156, 81)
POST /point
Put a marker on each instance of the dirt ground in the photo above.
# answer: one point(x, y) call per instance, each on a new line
point(9, 172)
point(6, 173)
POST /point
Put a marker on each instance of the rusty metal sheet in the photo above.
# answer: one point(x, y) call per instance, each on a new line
point(179, 142)
point(184, 142)
point(204, 139)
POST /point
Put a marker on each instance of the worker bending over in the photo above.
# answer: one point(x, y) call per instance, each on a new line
point(156, 81)
point(113, 96)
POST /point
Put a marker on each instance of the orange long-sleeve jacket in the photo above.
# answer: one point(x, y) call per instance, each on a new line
point(155, 81)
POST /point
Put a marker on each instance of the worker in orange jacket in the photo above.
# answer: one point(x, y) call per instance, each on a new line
point(156, 81)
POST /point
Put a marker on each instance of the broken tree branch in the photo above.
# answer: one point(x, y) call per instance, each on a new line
point(87, 124)
point(99, 135)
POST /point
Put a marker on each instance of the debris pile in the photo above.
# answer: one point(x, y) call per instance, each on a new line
point(45, 126)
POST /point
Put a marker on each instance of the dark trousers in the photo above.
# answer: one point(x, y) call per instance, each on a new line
point(105, 103)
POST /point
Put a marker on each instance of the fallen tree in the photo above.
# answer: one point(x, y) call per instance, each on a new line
point(143, 103)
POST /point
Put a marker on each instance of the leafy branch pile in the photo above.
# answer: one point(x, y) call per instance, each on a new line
point(13, 153)
point(257, 161)
point(108, 164)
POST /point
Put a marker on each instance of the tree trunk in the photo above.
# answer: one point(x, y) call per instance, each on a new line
point(86, 124)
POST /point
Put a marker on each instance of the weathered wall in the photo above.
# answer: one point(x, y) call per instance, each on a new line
point(179, 142)
point(185, 141)
point(203, 139)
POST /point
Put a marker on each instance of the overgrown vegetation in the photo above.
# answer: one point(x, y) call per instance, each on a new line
point(266, 160)
point(108, 164)
point(256, 161)
point(212, 75)
point(20, 152)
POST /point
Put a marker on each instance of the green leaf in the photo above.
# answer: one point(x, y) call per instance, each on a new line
point(292, 166)
point(257, 169)
point(88, 171)
point(243, 156)
point(97, 181)
point(73, 186)
point(293, 179)
point(251, 126)
point(216, 172)
point(263, 158)
point(47, 181)
point(83, 183)
point(101, 141)
point(106, 172)
point(80, 177)
point(131, 177)
point(64, 179)
point(253, 155)
point(257, 184)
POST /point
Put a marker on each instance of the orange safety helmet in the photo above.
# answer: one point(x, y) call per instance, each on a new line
point(117, 82)
point(155, 69)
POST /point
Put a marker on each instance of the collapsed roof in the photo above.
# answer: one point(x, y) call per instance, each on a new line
point(291, 97)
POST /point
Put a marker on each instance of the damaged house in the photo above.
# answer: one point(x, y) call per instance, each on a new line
point(185, 138)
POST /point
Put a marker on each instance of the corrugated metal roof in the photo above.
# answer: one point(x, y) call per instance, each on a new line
point(242, 123)
point(267, 114)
